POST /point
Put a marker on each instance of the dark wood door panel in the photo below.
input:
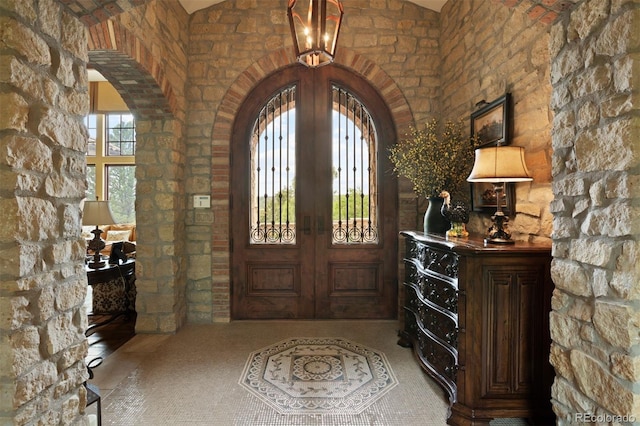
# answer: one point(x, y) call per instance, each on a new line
point(314, 277)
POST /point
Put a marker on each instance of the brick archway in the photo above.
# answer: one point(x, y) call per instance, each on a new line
point(127, 63)
point(222, 127)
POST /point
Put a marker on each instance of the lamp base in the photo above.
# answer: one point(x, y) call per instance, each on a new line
point(499, 231)
point(95, 245)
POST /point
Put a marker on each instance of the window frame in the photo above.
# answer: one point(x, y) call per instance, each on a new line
point(102, 160)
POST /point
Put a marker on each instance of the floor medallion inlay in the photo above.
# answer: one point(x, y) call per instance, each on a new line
point(318, 375)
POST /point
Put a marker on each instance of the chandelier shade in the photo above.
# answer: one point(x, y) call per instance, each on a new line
point(315, 25)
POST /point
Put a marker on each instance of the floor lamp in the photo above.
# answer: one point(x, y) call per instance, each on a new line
point(499, 165)
point(96, 213)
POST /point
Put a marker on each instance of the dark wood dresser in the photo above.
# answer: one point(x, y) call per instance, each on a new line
point(477, 317)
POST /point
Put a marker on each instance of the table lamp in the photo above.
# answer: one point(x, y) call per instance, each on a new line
point(96, 213)
point(498, 165)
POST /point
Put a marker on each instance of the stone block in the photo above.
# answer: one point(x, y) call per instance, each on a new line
point(15, 112)
point(608, 148)
point(559, 359)
point(626, 73)
point(571, 277)
point(27, 153)
point(586, 18)
point(60, 333)
point(26, 42)
point(599, 385)
point(49, 18)
point(35, 381)
point(199, 267)
point(63, 129)
point(565, 331)
point(592, 251)
point(74, 39)
point(617, 323)
point(25, 345)
point(616, 220)
point(614, 37)
point(38, 219)
point(564, 227)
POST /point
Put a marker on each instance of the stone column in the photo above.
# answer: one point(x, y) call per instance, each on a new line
point(43, 99)
point(160, 227)
point(596, 268)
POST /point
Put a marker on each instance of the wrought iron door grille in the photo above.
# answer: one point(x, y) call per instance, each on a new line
point(354, 168)
point(272, 214)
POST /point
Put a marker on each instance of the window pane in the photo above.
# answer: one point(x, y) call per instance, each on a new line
point(91, 122)
point(120, 134)
point(121, 192)
point(91, 182)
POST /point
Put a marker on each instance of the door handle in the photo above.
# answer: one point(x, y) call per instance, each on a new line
point(306, 225)
point(320, 220)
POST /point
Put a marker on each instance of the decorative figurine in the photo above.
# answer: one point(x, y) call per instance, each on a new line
point(457, 213)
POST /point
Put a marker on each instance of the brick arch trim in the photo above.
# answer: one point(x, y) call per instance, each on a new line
point(139, 78)
point(239, 89)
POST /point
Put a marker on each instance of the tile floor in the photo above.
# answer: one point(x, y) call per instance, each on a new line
point(191, 378)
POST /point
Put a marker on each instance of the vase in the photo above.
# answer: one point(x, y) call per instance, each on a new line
point(434, 222)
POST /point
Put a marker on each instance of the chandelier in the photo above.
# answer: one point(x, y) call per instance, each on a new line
point(315, 30)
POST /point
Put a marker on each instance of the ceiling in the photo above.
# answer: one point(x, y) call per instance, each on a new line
point(192, 5)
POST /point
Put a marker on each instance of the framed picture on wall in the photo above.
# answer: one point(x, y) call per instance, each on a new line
point(491, 122)
point(483, 198)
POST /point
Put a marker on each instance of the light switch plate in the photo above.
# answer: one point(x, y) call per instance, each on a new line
point(201, 201)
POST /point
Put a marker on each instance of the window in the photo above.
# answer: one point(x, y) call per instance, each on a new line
point(111, 163)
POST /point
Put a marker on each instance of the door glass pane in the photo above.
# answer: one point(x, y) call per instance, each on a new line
point(121, 192)
point(272, 152)
point(354, 149)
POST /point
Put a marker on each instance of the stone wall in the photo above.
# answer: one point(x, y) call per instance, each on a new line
point(487, 50)
point(596, 167)
point(230, 47)
point(44, 97)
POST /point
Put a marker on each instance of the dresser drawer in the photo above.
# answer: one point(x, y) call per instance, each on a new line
point(442, 292)
point(441, 323)
point(440, 358)
point(442, 262)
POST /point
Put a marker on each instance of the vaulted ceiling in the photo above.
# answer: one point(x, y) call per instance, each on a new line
point(92, 12)
point(192, 5)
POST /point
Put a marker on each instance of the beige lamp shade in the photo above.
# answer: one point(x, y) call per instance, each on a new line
point(500, 164)
point(97, 213)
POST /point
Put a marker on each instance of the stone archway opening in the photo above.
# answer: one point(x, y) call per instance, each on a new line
point(160, 202)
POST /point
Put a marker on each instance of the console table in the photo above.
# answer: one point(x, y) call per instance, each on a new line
point(477, 317)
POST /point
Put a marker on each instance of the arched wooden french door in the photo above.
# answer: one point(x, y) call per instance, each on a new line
point(313, 205)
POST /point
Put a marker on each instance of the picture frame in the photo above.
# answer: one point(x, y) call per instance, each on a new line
point(483, 198)
point(491, 123)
